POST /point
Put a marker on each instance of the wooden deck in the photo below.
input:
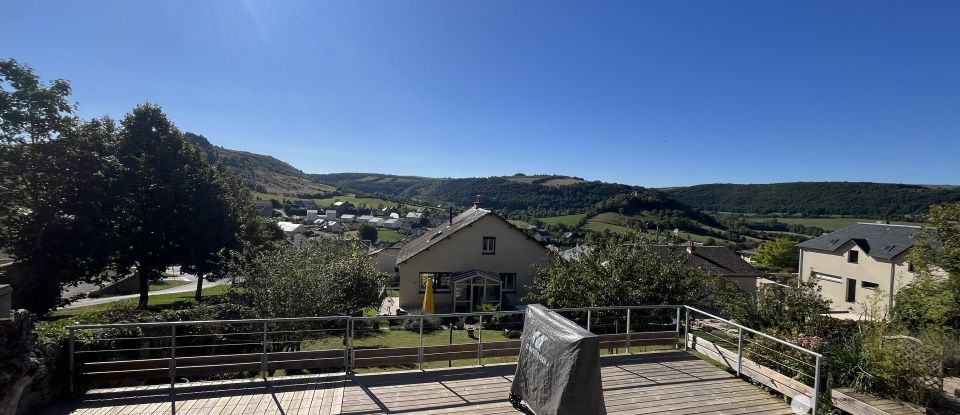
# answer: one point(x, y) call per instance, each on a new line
point(650, 383)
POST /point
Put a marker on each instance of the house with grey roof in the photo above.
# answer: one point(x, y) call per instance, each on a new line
point(718, 261)
point(476, 258)
point(860, 266)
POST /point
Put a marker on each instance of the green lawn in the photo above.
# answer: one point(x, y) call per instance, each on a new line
point(388, 235)
point(570, 220)
point(167, 284)
point(157, 302)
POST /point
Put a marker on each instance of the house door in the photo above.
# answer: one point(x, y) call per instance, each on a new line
point(478, 295)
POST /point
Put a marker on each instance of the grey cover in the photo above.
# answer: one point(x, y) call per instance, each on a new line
point(558, 371)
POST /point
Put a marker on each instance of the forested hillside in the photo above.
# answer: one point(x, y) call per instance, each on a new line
point(534, 196)
point(262, 173)
point(876, 200)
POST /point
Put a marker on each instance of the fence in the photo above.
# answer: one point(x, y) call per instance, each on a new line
point(185, 349)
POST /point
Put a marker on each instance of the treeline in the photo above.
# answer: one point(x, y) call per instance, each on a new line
point(512, 197)
point(85, 196)
point(875, 200)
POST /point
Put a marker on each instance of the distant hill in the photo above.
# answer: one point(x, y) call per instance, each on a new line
point(539, 195)
point(262, 173)
point(875, 200)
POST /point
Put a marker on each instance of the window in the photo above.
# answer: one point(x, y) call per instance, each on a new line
point(827, 277)
point(909, 266)
point(489, 245)
point(851, 290)
point(509, 281)
point(867, 285)
point(853, 257)
point(441, 281)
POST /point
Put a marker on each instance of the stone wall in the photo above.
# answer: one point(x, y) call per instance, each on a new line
point(29, 374)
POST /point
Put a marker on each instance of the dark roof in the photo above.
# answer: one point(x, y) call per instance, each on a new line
point(716, 260)
point(877, 240)
point(474, 273)
point(439, 233)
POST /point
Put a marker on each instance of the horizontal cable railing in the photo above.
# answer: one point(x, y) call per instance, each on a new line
point(180, 350)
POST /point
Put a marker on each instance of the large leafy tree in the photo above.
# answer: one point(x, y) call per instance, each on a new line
point(57, 184)
point(176, 209)
point(932, 300)
point(779, 253)
point(322, 277)
point(617, 270)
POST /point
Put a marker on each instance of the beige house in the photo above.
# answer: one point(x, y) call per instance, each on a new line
point(856, 264)
point(476, 258)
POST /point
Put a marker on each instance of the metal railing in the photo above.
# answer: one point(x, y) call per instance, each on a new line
point(185, 349)
point(794, 362)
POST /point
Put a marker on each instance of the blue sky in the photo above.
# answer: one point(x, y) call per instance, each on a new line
point(653, 93)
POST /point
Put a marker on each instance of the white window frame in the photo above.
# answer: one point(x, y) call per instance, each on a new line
point(828, 278)
point(491, 250)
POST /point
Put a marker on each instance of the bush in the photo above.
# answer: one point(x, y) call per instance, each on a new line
point(430, 324)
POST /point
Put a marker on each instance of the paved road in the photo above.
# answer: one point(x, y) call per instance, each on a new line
point(172, 271)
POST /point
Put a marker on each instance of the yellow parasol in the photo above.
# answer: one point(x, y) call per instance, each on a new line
point(427, 294)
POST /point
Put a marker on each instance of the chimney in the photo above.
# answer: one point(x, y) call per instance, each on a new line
point(451, 215)
point(690, 246)
point(476, 203)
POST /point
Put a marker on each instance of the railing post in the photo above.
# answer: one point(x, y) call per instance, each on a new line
point(263, 355)
point(72, 339)
point(628, 331)
point(816, 386)
point(675, 344)
point(173, 355)
point(420, 350)
point(739, 349)
point(589, 314)
point(480, 342)
point(686, 328)
point(347, 344)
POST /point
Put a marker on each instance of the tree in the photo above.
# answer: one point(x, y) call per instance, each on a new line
point(175, 208)
point(320, 278)
point(618, 270)
point(932, 300)
point(368, 233)
point(779, 253)
point(56, 184)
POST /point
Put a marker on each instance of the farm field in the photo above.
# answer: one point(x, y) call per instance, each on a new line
point(829, 224)
point(370, 202)
point(570, 220)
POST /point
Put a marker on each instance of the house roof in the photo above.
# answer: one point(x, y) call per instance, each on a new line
point(878, 240)
point(365, 217)
point(289, 226)
point(391, 220)
point(474, 273)
point(439, 233)
point(347, 217)
point(416, 215)
point(717, 260)
point(377, 220)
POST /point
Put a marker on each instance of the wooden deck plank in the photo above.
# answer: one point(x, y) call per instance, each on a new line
point(641, 384)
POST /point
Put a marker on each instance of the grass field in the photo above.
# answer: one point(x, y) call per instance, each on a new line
point(167, 284)
point(388, 235)
point(370, 202)
point(829, 224)
point(518, 223)
point(570, 220)
point(157, 302)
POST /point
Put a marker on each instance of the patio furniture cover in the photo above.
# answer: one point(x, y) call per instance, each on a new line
point(558, 370)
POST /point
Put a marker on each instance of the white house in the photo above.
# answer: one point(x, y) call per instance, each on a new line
point(378, 222)
point(364, 218)
point(393, 215)
point(348, 218)
point(392, 223)
point(413, 217)
point(311, 215)
point(330, 214)
point(332, 226)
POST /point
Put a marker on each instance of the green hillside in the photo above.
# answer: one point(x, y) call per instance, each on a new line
point(856, 199)
point(262, 173)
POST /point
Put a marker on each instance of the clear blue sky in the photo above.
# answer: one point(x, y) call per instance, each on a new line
point(653, 93)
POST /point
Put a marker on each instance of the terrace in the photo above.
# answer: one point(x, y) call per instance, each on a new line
point(372, 365)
